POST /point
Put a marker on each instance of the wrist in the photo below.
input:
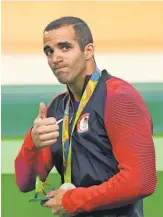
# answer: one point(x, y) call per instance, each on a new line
point(31, 144)
point(66, 201)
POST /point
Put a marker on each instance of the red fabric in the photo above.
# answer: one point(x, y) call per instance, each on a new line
point(31, 162)
point(129, 128)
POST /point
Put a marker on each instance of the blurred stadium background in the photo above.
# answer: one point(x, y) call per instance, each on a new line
point(129, 44)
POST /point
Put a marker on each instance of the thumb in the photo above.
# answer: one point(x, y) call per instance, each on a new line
point(42, 111)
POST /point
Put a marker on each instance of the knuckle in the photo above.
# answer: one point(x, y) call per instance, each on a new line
point(50, 128)
point(47, 142)
point(57, 127)
point(52, 120)
point(54, 141)
point(41, 137)
point(53, 128)
point(37, 121)
point(51, 136)
point(46, 136)
point(40, 129)
point(56, 134)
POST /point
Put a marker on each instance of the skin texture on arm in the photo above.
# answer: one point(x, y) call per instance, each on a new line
point(129, 128)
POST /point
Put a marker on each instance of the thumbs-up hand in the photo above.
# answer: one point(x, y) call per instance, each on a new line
point(45, 130)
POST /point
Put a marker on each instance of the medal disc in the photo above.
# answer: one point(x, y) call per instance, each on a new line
point(67, 186)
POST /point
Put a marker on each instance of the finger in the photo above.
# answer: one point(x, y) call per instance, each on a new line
point(47, 129)
point(45, 121)
point(52, 193)
point(55, 211)
point(48, 136)
point(47, 143)
point(42, 111)
point(50, 203)
point(59, 212)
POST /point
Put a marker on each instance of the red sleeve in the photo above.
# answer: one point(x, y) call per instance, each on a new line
point(129, 128)
point(31, 162)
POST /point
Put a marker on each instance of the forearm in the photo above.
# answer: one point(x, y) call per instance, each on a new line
point(120, 190)
point(31, 162)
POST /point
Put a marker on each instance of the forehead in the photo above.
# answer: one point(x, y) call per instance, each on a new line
point(64, 33)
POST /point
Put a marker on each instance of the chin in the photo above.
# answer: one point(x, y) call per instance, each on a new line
point(63, 81)
point(62, 76)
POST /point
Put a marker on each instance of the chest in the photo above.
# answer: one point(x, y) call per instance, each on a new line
point(89, 138)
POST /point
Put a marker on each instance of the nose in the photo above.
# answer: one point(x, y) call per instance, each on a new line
point(57, 57)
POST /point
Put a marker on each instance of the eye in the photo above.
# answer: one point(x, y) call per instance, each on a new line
point(65, 48)
point(48, 52)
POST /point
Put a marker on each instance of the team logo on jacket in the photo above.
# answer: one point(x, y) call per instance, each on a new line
point(82, 125)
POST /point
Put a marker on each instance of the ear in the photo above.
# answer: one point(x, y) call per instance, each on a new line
point(89, 51)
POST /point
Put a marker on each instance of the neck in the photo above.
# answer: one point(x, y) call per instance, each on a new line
point(77, 87)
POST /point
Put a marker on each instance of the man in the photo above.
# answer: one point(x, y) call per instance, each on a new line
point(104, 143)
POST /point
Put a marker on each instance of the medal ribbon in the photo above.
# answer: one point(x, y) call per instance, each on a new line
point(66, 138)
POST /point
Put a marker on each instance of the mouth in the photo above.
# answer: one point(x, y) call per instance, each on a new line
point(58, 68)
point(60, 73)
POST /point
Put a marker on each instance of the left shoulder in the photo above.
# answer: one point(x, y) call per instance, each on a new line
point(117, 84)
point(118, 87)
point(122, 95)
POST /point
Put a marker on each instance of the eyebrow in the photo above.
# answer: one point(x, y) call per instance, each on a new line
point(59, 44)
point(64, 43)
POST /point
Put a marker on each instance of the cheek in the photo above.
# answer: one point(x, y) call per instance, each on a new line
point(78, 62)
point(50, 63)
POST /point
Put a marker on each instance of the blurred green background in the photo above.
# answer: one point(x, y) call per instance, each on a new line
point(20, 104)
point(19, 108)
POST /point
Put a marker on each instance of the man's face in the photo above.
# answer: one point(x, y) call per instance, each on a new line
point(64, 55)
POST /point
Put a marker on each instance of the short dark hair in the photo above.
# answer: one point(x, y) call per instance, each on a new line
point(82, 31)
